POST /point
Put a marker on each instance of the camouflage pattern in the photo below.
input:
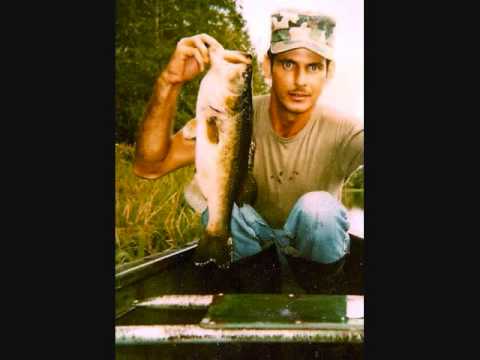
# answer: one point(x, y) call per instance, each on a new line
point(292, 29)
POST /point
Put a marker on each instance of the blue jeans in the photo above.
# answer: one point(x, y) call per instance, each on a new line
point(316, 229)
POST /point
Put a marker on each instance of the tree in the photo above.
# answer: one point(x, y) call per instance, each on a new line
point(147, 32)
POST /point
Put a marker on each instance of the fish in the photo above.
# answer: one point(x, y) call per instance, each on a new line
point(224, 121)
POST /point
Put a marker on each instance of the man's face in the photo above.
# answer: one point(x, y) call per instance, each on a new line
point(298, 78)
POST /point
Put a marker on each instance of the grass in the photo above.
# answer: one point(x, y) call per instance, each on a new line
point(151, 215)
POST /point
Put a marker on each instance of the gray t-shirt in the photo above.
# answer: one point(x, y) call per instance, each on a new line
point(320, 157)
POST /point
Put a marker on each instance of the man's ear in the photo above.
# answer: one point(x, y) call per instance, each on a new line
point(330, 70)
point(267, 67)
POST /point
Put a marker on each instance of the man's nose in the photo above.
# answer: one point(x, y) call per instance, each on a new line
point(300, 78)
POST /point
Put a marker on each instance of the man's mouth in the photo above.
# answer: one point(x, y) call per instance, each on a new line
point(298, 95)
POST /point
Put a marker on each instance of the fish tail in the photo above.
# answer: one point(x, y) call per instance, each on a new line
point(213, 248)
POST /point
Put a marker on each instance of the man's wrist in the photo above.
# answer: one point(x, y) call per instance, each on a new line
point(166, 79)
point(165, 88)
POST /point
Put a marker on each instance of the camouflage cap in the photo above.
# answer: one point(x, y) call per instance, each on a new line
point(293, 29)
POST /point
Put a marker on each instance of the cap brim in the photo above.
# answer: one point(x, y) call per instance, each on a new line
point(280, 46)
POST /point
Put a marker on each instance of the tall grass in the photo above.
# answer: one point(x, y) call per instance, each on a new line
point(151, 215)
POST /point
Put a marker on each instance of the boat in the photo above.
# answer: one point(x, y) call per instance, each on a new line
point(168, 308)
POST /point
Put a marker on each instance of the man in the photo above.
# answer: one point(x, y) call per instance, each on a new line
point(304, 152)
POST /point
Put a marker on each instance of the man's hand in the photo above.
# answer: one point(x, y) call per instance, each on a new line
point(189, 58)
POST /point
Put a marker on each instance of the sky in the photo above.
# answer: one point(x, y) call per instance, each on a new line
point(345, 91)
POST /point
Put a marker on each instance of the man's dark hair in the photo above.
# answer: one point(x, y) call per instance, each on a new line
point(270, 56)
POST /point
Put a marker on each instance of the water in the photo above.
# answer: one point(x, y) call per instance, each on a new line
point(354, 202)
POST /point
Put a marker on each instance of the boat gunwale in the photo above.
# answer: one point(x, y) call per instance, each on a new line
point(144, 269)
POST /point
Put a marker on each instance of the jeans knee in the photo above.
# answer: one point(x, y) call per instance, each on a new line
point(320, 204)
point(318, 226)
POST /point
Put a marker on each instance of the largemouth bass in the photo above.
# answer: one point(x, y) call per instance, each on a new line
point(223, 139)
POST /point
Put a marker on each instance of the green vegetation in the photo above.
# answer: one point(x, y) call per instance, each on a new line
point(355, 181)
point(151, 216)
point(147, 32)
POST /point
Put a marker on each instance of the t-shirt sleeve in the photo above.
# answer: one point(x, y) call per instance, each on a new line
point(351, 146)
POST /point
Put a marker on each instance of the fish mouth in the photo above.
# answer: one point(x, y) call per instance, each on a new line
point(237, 57)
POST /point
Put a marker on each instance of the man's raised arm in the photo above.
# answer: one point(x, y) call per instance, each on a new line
point(158, 152)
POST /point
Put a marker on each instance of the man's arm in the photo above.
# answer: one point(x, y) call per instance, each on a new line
point(158, 152)
point(354, 152)
point(351, 145)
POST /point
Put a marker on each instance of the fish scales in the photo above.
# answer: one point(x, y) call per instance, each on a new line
point(224, 130)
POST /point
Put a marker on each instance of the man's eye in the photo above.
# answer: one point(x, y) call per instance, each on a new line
point(287, 65)
point(313, 67)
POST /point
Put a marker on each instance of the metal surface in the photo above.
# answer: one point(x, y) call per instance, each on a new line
point(175, 316)
point(133, 263)
point(151, 335)
point(178, 302)
point(136, 273)
point(355, 306)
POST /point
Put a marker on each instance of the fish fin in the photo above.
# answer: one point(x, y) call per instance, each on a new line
point(189, 130)
point(213, 248)
point(212, 130)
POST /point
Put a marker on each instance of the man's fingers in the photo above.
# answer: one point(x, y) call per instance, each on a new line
point(200, 45)
point(210, 41)
point(198, 57)
point(202, 42)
